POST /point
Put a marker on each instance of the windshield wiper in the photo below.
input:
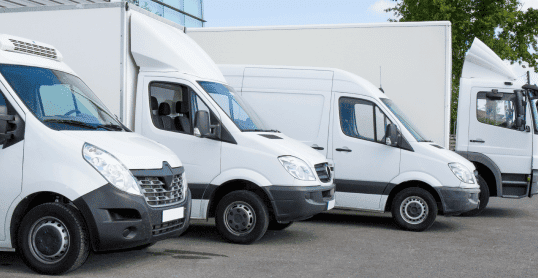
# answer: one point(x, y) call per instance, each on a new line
point(70, 122)
point(261, 130)
point(110, 127)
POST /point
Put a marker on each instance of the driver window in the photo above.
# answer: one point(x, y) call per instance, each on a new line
point(362, 119)
point(497, 112)
point(173, 107)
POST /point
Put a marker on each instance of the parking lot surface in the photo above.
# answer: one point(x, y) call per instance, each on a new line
point(501, 242)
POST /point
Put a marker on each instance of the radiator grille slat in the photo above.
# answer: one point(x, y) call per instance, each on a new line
point(323, 171)
point(156, 193)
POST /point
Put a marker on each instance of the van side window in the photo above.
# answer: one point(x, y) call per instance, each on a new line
point(497, 112)
point(362, 119)
point(2, 99)
point(173, 107)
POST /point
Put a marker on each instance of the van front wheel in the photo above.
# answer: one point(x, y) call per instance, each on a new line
point(52, 239)
point(242, 217)
point(414, 209)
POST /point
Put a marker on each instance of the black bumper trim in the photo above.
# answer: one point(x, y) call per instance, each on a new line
point(458, 200)
point(109, 232)
point(294, 203)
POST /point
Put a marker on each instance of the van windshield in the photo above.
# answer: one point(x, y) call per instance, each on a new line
point(234, 106)
point(404, 120)
point(58, 99)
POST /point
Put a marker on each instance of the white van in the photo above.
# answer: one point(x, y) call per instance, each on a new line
point(165, 87)
point(384, 163)
point(74, 179)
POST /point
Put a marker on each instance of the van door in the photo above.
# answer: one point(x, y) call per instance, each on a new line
point(11, 158)
point(364, 164)
point(493, 132)
point(168, 117)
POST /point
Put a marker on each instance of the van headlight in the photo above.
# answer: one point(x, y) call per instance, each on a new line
point(297, 168)
point(461, 172)
point(110, 168)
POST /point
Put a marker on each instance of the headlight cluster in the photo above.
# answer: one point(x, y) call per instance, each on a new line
point(297, 168)
point(461, 172)
point(110, 168)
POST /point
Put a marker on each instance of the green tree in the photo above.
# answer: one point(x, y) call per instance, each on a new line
point(501, 25)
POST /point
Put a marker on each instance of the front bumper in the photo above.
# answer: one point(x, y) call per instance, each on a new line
point(458, 200)
point(294, 203)
point(118, 220)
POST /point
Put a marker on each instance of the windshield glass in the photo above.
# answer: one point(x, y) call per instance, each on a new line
point(404, 120)
point(535, 113)
point(58, 99)
point(234, 106)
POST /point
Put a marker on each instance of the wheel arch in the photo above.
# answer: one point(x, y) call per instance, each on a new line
point(391, 191)
point(235, 185)
point(29, 202)
point(488, 169)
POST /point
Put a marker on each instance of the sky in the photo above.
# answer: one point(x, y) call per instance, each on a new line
point(229, 13)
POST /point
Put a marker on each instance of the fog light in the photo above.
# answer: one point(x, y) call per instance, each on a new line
point(129, 232)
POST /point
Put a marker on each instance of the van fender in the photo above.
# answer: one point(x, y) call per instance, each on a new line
point(412, 176)
point(241, 174)
point(483, 159)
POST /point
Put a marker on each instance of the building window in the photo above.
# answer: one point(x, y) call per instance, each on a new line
point(188, 13)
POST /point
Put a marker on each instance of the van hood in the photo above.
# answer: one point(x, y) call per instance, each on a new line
point(442, 154)
point(133, 150)
point(281, 145)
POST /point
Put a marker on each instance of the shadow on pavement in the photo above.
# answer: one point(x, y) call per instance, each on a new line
point(10, 261)
point(503, 213)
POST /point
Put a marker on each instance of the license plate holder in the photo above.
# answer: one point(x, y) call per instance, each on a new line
point(173, 214)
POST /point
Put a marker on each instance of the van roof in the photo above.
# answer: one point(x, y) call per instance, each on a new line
point(343, 81)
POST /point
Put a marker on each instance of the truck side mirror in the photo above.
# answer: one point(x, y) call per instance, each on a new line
point(201, 124)
point(392, 135)
point(520, 110)
point(4, 125)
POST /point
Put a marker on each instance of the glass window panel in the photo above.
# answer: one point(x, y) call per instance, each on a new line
point(498, 112)
point(193, 7)
point(381, 122)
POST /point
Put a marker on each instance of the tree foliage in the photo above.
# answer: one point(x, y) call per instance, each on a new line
point(501, 25)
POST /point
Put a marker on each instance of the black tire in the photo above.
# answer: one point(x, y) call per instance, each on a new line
point(414, 209)
point(53, 239)
point(483, 196)
point(251, 221)
point(275, 226)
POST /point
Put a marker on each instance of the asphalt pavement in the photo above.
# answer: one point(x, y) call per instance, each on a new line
point(501, 242)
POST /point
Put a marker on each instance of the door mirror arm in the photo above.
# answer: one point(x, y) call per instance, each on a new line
point(5, 122)
point(392, 136)
point(203, 127)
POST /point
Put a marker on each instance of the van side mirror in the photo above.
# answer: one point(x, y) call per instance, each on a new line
point(520, 110)
point(392, 135)
point(201, 124)
point(5, 120)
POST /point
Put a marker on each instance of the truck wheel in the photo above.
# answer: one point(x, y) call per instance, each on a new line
point(414, 209)
point(242, 217)
point(483, 196)
point(275, 226)
point(52, 239)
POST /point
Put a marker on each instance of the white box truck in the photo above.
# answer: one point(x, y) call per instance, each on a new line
point(497, 127)
point(411, 61)
point(165, 87)
point(74, 179)
point(384, 161)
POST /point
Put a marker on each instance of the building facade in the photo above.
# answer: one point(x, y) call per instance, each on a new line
point(189, 13)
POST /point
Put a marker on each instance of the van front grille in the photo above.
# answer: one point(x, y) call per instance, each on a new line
point(156, 193)
point(167, 227)
point(324, 172)
point(34, 49)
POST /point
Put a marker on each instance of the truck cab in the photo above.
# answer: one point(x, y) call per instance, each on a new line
point(496, 126)
point(74, 179)
point(383, 162)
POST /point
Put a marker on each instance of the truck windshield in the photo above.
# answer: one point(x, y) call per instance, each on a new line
point(535, 113)
point(404, 120)
point(58, 99)
point(234, 106)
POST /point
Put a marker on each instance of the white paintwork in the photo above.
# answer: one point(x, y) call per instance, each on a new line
point(173, 214)
point(140, 48)
point(414, 58)
point(511, 150)
point(482, 62)
point(369, 162)
point(53, 159)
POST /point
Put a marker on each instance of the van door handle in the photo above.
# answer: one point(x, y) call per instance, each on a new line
point(316, 147)
point(478, 141)
point(344, 149)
